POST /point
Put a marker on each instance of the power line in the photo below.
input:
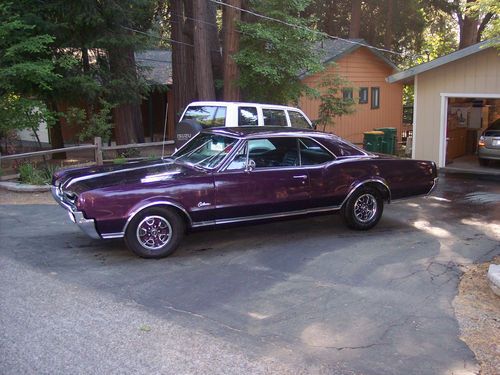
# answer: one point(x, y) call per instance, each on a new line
point(303, 27)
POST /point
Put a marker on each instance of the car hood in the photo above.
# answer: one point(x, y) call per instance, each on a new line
point(78, 180)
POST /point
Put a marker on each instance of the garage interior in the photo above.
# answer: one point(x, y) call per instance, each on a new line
point(467, 118)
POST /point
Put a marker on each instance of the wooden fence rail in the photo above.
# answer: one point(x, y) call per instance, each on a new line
point(97, 147)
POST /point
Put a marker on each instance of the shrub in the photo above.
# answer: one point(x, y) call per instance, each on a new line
point(30, 174)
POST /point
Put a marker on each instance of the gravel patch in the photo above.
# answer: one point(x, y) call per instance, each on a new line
point(15, 198)
point(477, 310)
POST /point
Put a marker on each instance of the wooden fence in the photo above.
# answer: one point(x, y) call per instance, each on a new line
point(97, 147)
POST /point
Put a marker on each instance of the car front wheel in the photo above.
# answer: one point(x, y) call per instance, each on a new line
point(363, 209)
point(155, 232)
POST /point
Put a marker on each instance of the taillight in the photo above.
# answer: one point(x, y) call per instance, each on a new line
point(481, 142)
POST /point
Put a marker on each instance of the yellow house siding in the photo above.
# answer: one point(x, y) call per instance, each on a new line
point(362, 69)
point(475, 74)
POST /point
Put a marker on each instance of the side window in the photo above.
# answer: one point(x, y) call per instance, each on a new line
point(240, 160)
point(274, 117)
point(207, 116)
point(298, 121)
point(247, 116)
point(363, 95)
point(274, 152)
point(343, 149)
point(347, 93)
point(312, 153)
point(375, 97)
point(220, 117)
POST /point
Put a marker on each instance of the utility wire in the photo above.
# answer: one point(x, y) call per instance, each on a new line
point(303, 27)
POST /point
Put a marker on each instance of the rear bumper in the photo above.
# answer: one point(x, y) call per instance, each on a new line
point(488, 153)
point(86, 225)
point(433, 187)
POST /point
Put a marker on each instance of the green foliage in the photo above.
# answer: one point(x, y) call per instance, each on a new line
point(273, 55)
point(18, 113)
point(26, 64)
point(30, 174)
point(332, 102)
point(493, 28)
point(94, 123)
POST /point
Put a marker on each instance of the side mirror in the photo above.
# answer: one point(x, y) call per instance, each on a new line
point(314, 124)
point(250, 165)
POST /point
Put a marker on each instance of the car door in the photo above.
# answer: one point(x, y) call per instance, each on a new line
point(265, 178)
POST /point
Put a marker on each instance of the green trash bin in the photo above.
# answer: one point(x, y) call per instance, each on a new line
point(389, 140)
point(372, 141)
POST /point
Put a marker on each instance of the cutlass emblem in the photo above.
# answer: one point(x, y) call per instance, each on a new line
point(203, 204)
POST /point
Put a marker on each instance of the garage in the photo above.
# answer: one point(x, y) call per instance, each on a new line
point(456, 97)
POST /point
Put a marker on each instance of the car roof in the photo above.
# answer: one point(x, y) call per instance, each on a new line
point(250, 131)
point(244, 104)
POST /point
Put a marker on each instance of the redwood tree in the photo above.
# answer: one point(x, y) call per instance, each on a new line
point(231, 46)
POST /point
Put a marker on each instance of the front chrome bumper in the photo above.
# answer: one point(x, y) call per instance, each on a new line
point(86, 225)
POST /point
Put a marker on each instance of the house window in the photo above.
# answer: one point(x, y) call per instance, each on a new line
point(375, 97)
point(363, 95)
point(347, 93)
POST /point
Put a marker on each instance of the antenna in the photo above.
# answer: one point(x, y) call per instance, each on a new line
point(164, 132)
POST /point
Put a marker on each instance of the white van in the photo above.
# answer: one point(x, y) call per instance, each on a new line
point(201, 115)
point(212, 114)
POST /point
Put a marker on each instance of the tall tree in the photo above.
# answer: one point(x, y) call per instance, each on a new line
point(355, 23)
point(181, 15)
point(231, 16)
point(203, 73)
point(273, 55)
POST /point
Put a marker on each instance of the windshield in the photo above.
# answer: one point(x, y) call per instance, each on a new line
point(205, 150)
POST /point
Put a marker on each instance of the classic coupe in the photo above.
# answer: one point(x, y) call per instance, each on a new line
point(232, 175)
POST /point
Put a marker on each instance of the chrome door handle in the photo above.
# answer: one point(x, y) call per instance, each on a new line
point(302, 176)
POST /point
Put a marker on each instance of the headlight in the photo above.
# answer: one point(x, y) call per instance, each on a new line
point(481, 142)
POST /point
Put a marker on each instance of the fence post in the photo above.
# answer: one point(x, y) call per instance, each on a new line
point(98, 150)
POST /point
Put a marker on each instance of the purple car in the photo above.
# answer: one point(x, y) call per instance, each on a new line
point(232, 175)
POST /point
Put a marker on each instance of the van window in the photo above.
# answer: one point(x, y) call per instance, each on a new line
point(274, 117)
point(298, 121)
point(247, 116)
point(207, 116)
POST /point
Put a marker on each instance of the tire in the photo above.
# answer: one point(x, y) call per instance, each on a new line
point(155, 232)
point(483, 162)
point(363, 209)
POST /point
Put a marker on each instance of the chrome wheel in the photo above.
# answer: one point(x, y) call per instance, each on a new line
point(365, 208)
point(154, 232)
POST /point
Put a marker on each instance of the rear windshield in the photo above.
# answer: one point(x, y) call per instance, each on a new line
point(207, 116)
point(344, 149)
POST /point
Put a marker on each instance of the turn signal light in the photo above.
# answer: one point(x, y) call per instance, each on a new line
point(481, 142)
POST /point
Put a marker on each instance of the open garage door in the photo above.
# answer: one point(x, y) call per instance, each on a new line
point(465, 117)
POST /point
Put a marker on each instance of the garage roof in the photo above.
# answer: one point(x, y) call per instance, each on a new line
point(407, 75)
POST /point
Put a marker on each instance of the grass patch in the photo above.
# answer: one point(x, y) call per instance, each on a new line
point(33, 175)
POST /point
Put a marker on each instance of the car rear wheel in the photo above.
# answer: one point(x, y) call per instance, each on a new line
point(363, 209)
point(155, 232)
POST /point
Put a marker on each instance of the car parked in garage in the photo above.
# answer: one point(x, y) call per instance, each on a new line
point(232, 175)
point(489, 144)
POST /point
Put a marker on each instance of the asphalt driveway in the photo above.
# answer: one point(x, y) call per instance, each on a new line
point(296, 296)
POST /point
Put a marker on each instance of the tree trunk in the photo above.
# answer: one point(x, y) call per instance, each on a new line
point(128, 124)
point(127, 116)
point(55, 132)
point(487, 18)
point(231, 46)
point(182, 55)
point(469, 28)
point(355, 19)
point(389, 29)
point(202, 60)
point(214, 42)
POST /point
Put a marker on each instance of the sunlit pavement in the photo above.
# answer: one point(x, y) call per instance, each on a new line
point(297, 296)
